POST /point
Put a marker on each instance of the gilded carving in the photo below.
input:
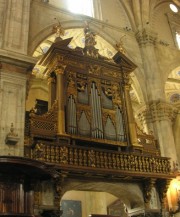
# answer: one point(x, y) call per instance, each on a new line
point(120, 45)
point(39, 151)
point(147, 187)
point(58, 30)
point(74, 63)
point(162, 187)
point(95, 69)
point(58, 188)
point(63, 155)
point(107, 91)
point(37, 194)
point(111, 74)
point(71, 84)
point(83, 108)
point(109, 113)
point(90, 43)
point(91, 158)
point(75, 156)
point(69, 155)
point(59, 68)
point(116, 96)
point(84, 157)
point(81, 86)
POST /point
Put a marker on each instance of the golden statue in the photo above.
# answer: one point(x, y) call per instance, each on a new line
point(58, 30)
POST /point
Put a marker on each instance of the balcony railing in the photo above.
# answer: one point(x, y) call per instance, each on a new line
point(71, 156)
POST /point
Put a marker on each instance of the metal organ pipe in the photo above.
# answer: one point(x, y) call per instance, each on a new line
point(71, 115)
point(68, 116)
point(74, 116)
point(120, 130)
point(99, 116)
point(97, 128)
point(94, 120)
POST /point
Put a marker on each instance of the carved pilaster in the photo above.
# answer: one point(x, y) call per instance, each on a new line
point(145, 37)
point(59, 70)
point(147, 189)
point(58, 189)
point(52, 89)
point(162, 187)
point(131, 120)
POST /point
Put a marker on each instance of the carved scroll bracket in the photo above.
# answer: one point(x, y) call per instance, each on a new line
point(58, 188)
point(162, 187)
point(147, 189)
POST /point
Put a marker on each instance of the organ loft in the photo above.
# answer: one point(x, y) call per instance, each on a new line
point(87, 133)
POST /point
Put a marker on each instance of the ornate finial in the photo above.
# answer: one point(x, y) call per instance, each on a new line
point(58, 30)
point(90, 42)
point(89, 36)
point(120, 46)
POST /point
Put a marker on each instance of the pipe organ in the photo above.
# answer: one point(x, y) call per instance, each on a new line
point(89, 130)
point(94, 108)
point(92, 93)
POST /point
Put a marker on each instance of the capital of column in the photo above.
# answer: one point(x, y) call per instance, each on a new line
point(145, 37)
point(128, 83)
point(157, 111)
point(51, 80)
point(59, 69)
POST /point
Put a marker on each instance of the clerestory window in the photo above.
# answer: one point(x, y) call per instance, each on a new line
point(178, 39)
point(84, 7)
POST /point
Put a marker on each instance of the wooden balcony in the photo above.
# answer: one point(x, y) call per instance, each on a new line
point(83, 160)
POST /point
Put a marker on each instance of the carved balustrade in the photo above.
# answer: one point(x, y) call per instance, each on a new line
point(148, 142)
point(88, 158)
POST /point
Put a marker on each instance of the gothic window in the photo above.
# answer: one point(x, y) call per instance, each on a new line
point(178, 39)
point(84, 7)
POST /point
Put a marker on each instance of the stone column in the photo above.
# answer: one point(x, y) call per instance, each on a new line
point(153, 77)
point(60, 98)
point(159, 112)
point(2, 12)
point(176, 130)
point(12, 111)
point(13, 84)
point(159, 116)
point(16, 27)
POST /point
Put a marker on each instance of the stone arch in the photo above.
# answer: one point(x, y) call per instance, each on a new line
point(174, 66)
point(98, 27)
point(130, 193)
point(46, 32)
point(101, 30)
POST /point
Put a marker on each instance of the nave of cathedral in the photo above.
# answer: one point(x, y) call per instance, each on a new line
point(89, 108)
